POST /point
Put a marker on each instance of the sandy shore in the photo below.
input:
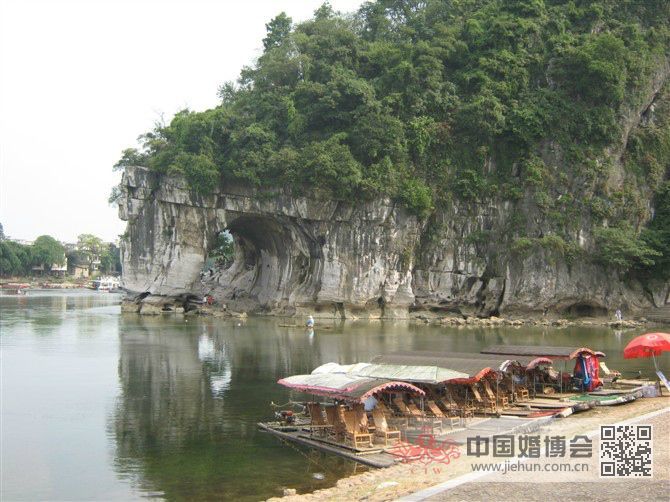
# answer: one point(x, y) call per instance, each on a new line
point(406, 479)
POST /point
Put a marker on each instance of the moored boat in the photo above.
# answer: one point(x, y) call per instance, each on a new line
point(14, 288)
point(376, 412)
point(107, 283)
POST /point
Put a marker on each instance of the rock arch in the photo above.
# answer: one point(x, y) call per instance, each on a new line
point(292, 253)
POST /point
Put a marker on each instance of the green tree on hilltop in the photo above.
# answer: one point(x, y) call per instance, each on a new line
point(278, 30)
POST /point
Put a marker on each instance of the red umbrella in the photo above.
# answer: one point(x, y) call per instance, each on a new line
point(649, 345)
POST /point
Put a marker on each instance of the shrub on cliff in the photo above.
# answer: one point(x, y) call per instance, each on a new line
point(623, 249)
point(657, 235)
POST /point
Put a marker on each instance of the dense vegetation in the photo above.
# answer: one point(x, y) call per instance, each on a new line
point(19, 259)
point(424, 101)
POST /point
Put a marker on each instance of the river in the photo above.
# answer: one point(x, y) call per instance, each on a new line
point(100, 405)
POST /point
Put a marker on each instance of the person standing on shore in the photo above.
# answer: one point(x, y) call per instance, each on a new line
point(310, 322)
point(618, 315)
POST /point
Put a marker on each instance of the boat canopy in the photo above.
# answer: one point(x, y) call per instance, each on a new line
point(418, 370)
point(414, 373)
point(539, 361)
point(345, 387)
point(460, 361)
point(541, 351)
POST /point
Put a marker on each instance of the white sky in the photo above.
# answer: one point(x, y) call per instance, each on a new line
point(80, 80)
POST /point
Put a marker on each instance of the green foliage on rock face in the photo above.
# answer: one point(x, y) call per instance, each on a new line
point(623, 249)
point(427, 101)
point(657, 235)
point(416, 196)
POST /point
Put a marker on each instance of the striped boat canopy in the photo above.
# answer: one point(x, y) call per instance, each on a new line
point(345, 387)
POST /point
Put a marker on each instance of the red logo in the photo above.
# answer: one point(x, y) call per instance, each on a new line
point(427, 450)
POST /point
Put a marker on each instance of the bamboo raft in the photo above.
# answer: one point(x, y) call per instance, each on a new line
point(381, 457)
point(422, 393)
point(373, 457)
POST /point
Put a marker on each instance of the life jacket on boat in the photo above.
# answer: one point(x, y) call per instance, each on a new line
point(588, 371)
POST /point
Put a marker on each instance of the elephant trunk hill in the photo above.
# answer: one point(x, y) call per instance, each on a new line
point(476, 158)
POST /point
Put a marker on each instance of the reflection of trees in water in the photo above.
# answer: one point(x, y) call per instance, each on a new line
point(165, 393)
point(191, 395)
point(166, 404)
point(192, 392)
point(47, 313)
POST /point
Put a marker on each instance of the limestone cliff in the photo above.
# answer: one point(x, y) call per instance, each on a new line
point(300, 254)
point(291, 252)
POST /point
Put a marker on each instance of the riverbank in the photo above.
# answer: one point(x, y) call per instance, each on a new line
point(556, 322)
point(43, 283)
point(451, 321)
point(406, 479)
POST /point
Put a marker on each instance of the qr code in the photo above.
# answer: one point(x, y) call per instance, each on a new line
point(625, 451)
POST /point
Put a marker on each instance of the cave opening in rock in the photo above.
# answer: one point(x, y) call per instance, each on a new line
point(585, 310)
point(260, 260)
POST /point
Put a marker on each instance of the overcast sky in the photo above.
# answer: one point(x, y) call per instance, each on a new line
point(80, 80)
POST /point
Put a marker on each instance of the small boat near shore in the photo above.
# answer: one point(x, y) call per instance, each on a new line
point(107, 283)
point(14, 288)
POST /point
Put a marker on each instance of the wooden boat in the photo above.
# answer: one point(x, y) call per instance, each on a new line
point(345, 429)
point(14, 288)
point(586, 373)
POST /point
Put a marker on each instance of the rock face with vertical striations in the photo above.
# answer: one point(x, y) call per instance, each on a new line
point(291, 252)
point(297, 254)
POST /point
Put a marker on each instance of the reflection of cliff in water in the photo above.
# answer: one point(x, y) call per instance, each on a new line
point(191, 394)
point(165, 388)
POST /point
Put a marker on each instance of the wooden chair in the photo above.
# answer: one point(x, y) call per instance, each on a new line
point(318, 423)
point(464, 408)
point(362, 418)
point(391, 415)
point(336, 421)
point(382, 428)
point(402, 407)
point(423, 418)
point(506, 387)
point(435, 410)
point(358, 439)
point(415, 411)
point(404, 411)
point(521, 392)
point(485, 406)
point(491, 396)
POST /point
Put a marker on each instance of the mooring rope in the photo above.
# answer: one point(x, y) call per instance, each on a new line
point(289, 403)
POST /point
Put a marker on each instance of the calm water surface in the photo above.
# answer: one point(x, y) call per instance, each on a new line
point(99, 405)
